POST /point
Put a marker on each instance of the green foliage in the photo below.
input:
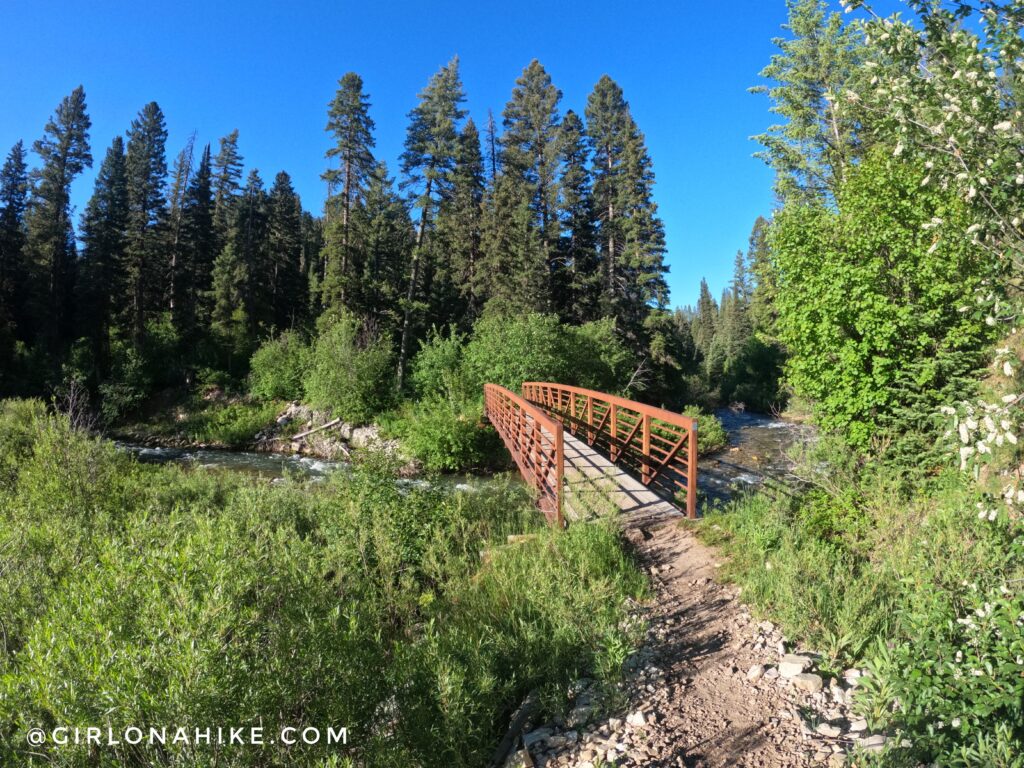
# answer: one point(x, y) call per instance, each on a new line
point(535, 347)
point(711, 435)
point(278, 368)
point(232, 425)
point(448, 435)
point(127, 385)
point(510, 350)
point(437, 369)
point(138, 594)
point(351, 372)
point(871, 300)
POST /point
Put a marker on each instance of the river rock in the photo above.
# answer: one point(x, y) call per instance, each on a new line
point(792, 665)
point(755, 673)
point(808, 682)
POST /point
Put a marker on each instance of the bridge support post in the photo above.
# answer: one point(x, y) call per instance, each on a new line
point(646, 449)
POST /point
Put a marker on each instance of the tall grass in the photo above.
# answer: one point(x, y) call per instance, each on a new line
point(154, 596)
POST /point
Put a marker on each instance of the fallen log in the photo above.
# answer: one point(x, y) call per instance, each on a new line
point(301, 435)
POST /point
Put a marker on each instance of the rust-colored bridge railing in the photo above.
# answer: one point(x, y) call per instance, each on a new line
point(535, 441)
point(658, 446)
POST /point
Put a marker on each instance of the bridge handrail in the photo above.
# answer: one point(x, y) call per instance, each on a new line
point(658, 445)
point(535, 441)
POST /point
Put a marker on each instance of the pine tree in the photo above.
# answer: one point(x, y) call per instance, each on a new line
point(14, 270)
point(288, 298)
point(250, 238)
point(64, 152)
point(198, 250)
point(812, 149)
point(146, 167)
point(227, 177)
point(762, 300)
point(229, 319)
point(530, 149)
point(457, 288)
point(176, 272)
point(431, 146)
point(104, 227)
point(630, 232)
point(705, 320)
point(513, 284)
point(580, 293)
point(349, 122)
point(384, 234)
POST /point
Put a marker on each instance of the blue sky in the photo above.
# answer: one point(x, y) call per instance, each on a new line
point(269, 69)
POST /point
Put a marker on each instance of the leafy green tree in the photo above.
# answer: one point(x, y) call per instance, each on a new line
point(64, 152)
point(104, 228)
point(431, 149)
point(350, 124)
point(146, 169)
point(811, 151)
point(871, 304)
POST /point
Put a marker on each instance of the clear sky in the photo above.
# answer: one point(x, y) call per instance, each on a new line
point(269, 69)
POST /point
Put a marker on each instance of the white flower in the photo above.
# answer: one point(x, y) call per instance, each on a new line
point(955, 722)
point(1007, 369)
point(1003, 126)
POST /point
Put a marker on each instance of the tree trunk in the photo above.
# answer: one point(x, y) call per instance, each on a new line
point(414, 274)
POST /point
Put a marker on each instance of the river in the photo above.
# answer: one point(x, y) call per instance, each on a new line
point(756, 453)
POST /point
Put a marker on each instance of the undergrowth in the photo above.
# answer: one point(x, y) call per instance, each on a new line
point(143, 595)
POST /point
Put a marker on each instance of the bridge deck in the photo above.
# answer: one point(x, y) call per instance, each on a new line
point(593, 483)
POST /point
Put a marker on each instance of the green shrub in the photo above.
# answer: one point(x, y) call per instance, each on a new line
point(598, 358)
point(910, 583)
point(437, 369)
point(278, 368)
point(711, 435)
point(448, 436)
point(350, 375)
point(510, 350)
point(232, 425)
point(152, 595)
point(128, 385)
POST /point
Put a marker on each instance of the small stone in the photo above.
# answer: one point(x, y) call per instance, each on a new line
point(755, 673)
point(829, 730)
point(771, 673)
point(533, 737)
point(858, 725)
point(791, 665)
point(636, 719)
point(873, 743)
point(580, 716)
point(562, 740)
point(837, 760)
point(808, 682)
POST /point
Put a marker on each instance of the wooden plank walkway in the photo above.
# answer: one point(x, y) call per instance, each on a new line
point(595, 486)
